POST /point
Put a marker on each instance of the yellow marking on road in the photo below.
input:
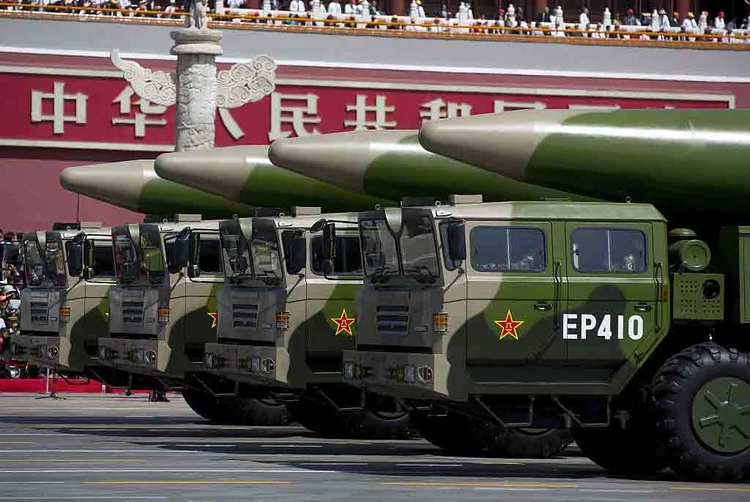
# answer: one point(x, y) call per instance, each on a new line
point(189, 482)
point(709, 489)
point(479, 484)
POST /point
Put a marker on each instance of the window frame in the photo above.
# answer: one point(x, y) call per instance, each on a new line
point(470, 257)
point(609, 229)
point(348, 275)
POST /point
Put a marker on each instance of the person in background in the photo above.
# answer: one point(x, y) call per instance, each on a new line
point(630, 19)
point(719, 22)
point(543, 17)
point(675, 21)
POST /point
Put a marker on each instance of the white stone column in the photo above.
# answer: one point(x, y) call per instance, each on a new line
point(196, 51)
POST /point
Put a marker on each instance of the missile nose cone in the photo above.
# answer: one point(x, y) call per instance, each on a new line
point(117, 182)
point(222, 171)
point(341, 159)
point(501, 142)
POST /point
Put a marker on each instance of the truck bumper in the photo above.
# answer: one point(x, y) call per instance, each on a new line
point(404, 375)
point(248, 364)
point(145, 357)
point(37, 349)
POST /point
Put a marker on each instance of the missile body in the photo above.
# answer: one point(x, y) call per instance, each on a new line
point(245, 174)
point(691, 164)
point(392, 164)
point(134, 185)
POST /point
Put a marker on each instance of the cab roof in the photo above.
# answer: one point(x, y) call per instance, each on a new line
point(550, 210)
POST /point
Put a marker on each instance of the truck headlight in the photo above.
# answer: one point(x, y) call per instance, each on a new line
point(150, 356)
point(163, 314)
point(267, 365)
point(282, 320)
point(424, 374)
point(440, 322)
point(409, 374)
point(52, 352)
point(209, 360)
point(349, 370)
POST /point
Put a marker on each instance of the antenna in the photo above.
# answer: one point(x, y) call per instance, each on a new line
point(78, 208)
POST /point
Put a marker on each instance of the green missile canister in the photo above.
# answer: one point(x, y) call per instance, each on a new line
point(134, 185)
point(392, 164)
point(691, 164)
point(245, 174)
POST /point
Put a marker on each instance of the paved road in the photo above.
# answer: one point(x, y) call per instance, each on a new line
point(112, 448)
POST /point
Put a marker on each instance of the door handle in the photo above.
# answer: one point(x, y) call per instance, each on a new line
point(643, 307)
point(543, 306)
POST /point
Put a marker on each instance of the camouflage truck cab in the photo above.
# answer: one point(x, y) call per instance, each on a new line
point(64, 305)
point(286, 314)
point(583, 316)
point(162, 312)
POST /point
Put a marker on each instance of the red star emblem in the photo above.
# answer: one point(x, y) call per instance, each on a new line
point(509, 326)
point(344, 323)
point(215, 317)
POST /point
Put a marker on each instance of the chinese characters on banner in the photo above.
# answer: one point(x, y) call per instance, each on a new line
point(106, 111)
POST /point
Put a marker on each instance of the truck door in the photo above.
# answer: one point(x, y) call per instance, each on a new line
point(513, 296)
point(100, 279)
point(205, 277)
point(612, 293)
point(331, 309)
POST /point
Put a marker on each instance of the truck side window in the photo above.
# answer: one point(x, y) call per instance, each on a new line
point(502, 249)
point(104, 264)
point(449, 263)
point(287, 236)
point(608, 250)
point(348, 260)
point(209, 254)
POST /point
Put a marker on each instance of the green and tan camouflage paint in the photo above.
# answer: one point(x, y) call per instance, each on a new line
point(192, 309)
point(245, 174)
point(75, 340)
point(322, 320)
point(135, 185)
point(679, 160)
point(392, 164)
point(501, 337)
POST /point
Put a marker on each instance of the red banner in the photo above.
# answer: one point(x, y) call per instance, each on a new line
point(73, 109)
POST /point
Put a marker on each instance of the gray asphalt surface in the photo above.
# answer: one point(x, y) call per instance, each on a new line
point(113, 447)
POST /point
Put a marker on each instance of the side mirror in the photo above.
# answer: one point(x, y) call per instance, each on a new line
point(75, 259)
point(329, 241)
point(181, 253)
point(456, 241)
point(194, 270)
point(88, 273)
point(327, 267)
point(318, 225)
point(297, 254)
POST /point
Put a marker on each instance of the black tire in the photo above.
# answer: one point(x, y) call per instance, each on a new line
point(318, 417)
point(449, 431)
point(204, 404)
point(634, 450)
point(254, 411)
point(527, 443)
point(368, 424)
point(678, 387)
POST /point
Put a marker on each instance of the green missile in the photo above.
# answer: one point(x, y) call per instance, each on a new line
point(134, 185)
point(691, 164)
point(392, 164)
point(245, 174)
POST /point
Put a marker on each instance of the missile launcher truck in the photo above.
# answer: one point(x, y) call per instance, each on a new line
point(68, 274)
point(284, 319)
point(592, 318)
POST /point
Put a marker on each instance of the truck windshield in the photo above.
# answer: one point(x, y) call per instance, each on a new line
point(44, 266)
point(152, 257)
point(264, 248)
point(126, 258)
point(412, 253)
point(235, 253)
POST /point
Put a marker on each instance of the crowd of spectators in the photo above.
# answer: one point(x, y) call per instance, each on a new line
point(368, 14)
point(11, 283)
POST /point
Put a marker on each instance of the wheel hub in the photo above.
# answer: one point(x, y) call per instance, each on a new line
point(721, 414)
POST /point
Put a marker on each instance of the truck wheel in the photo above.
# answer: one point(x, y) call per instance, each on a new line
point(450, 431)
point(318, 417)
point(205, 405)
point(528, 443)
point(701, 398)
point(631, 451)
point(254, 411)
point(384, 418)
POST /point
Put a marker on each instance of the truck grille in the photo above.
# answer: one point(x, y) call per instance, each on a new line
point(39, 312)
point(393, 320)
point(132, 312)
point(244, 315)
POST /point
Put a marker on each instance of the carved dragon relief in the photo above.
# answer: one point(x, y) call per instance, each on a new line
point(241, 84)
